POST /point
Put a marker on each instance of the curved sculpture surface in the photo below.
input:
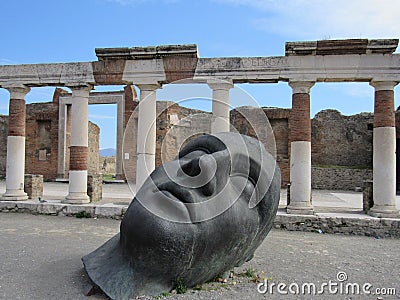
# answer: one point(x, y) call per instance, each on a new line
point(193, 219)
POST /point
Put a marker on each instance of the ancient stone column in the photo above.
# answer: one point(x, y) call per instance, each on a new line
point(15, 169)
point(146, 138)
point(220, 105)
point(384, 151)
point(300, 151)
point(78, 163)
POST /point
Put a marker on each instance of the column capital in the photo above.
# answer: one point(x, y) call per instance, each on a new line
point(149, 86)
point(219, 84)
point(80, 90)
point(301, 87)
point(383, 85)
point(17, 91)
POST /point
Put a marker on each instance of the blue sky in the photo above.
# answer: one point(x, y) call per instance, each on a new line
point(65, 31)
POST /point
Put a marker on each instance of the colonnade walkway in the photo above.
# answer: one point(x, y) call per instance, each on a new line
point(334, 211)
point(324, 201)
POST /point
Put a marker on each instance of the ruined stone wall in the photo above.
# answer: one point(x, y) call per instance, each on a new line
point(279, 121)
point(41, 152)
point(339, 140)
point(185, 128)
point(107, 165)
point(3, 144)
point(336, 178)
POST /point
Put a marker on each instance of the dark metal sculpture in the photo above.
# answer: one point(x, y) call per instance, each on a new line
point(194, 218)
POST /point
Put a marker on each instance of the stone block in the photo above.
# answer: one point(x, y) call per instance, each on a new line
point(95, 187)
point(34, 186)
point(77, 209)
point(368, 201)
point(49, 208)
point(109, 211)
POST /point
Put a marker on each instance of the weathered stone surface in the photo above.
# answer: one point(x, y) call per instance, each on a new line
point(109, 211)
point(95, 187)
point(336, 178)
point(367, 226)
point(76, 209)
point(107, 165)
point(339, 140)
point(33, 186)
point(150, 52)
point(49, 208)
point(368, 200)
point(340, 47)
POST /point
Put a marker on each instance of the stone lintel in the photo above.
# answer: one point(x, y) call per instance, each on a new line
point(150, 52)
point(341, 47)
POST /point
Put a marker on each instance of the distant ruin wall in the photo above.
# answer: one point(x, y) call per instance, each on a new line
point(107, 165)
point(339, 140)
point(339, 178)
point(41, 154)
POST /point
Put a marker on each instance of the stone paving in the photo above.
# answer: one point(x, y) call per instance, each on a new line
point(41, 259)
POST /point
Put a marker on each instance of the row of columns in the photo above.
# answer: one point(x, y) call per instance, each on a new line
point(384, 150)
point(384, 143)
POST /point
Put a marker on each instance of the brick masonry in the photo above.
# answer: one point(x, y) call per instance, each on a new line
point(300, 126)
point(17, 117)
point(384, 109)
point(78, 158)
point(3, 144)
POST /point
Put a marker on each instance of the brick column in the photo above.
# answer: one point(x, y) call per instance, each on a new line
point(146, 139)
point(384, 152)
point(15, 169)
point(78, 162)
point(300, 150)
point(220, 105)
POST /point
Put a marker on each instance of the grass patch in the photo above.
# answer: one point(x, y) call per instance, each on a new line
point(108, 177)
point(83, 214)
point(180, 287)
point(163, 295)
point(251, 274)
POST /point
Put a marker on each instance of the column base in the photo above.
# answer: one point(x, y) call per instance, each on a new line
point(300, 210)
point(386, 211)
point(12, 195)
point(76, 198)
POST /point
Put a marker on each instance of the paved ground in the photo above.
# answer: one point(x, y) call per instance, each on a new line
point(40, 259)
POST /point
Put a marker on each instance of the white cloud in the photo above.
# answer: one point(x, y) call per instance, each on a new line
point(318, 19)
point(5, 61)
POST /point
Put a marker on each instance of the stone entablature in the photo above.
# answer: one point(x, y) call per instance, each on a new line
point(153, 68)
point(340, 47)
